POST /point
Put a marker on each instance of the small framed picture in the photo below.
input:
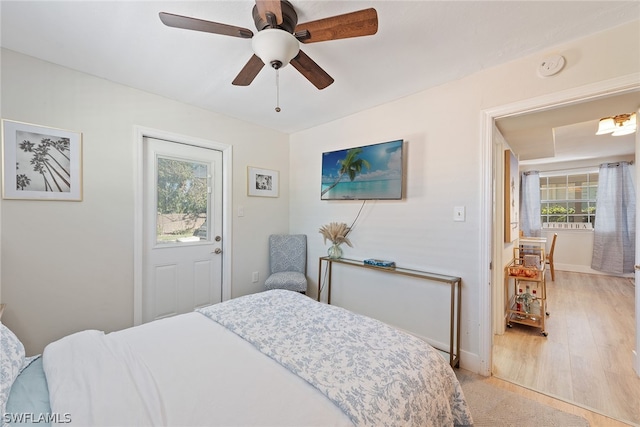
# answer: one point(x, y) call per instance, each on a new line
point(40, 163)
point(262, 182)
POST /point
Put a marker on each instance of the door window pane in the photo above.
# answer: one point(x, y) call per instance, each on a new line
point(182, 201)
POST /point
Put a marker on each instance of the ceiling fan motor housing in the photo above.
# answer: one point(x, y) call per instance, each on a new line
point(289, 18)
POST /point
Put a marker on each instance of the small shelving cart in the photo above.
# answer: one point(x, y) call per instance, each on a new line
point(526, 271)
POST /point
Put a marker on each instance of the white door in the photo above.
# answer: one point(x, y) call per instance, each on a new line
point(182, 228)
point(636, 354)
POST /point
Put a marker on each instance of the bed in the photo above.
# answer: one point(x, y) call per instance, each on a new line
point(275, 358)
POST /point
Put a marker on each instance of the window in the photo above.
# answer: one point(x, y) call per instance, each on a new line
point(182, 201)
point(568, 200)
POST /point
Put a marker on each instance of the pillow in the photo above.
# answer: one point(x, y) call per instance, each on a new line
point(11, 362)
point(29, 395)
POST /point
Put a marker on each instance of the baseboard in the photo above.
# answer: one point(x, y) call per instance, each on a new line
point(470, 362)
point(585, 269)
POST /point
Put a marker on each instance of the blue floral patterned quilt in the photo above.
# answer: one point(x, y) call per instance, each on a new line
point(377, 375)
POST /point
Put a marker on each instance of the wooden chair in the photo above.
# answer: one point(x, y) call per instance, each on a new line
point(549, 258)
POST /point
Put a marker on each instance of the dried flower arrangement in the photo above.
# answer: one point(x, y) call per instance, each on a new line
point(336, 233)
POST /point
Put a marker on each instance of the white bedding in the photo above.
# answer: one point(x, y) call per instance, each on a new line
point(184, 371)
point(189, 370)
point(378, 375)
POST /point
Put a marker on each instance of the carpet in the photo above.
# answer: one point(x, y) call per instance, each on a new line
point(495, 407)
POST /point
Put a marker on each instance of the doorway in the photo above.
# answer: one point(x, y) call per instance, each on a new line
point(493, 297)
point(182, 254)
point(182, 233)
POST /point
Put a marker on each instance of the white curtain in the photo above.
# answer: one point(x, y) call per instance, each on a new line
point(530, 222)
point(615, 226)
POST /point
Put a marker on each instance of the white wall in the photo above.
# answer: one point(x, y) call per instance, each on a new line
point(503, 251)
point(68, 266)
point(442, 127)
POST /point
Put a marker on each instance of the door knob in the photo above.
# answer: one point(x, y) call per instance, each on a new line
point(217, 251)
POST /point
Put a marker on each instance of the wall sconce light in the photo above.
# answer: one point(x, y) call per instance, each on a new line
point(622, 124)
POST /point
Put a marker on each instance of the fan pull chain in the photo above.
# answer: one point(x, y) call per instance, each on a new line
point(277, 90)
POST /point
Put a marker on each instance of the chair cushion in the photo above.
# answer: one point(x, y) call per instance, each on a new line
point(290, 280)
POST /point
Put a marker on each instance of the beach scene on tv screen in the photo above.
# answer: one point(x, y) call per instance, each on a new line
point(360, 173)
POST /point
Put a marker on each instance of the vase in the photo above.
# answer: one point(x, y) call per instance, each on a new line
point(334, 251)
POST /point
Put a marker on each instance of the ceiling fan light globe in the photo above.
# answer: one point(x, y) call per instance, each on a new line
point(275, 46)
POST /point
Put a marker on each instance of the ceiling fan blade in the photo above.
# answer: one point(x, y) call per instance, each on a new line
point(249, 72)
point(312, 71)
point(354, 24)
point(272, 6)
point(187, 23)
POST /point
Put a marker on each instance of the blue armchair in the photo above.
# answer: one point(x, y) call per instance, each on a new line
point(287, 262)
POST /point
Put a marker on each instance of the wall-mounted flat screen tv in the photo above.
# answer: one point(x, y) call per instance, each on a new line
point(370, 172)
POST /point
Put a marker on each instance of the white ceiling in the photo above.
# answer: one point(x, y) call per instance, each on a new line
point(419, 44)
point(567, 133)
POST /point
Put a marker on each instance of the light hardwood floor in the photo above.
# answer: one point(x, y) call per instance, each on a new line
point(594, 419)
point(587, 356)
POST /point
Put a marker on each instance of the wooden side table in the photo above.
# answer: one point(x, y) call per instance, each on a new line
point(1, 310)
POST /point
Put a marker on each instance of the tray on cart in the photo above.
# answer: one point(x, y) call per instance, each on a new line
point(521, 272)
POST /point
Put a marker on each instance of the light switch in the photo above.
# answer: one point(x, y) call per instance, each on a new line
point(240, 210)
point(458, 213)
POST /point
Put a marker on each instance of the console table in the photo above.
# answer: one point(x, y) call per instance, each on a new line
point(454, 282)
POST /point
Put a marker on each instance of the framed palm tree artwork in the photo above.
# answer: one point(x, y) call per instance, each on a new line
point(40, 163)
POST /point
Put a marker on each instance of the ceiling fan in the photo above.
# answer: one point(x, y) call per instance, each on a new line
point(277, 42)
